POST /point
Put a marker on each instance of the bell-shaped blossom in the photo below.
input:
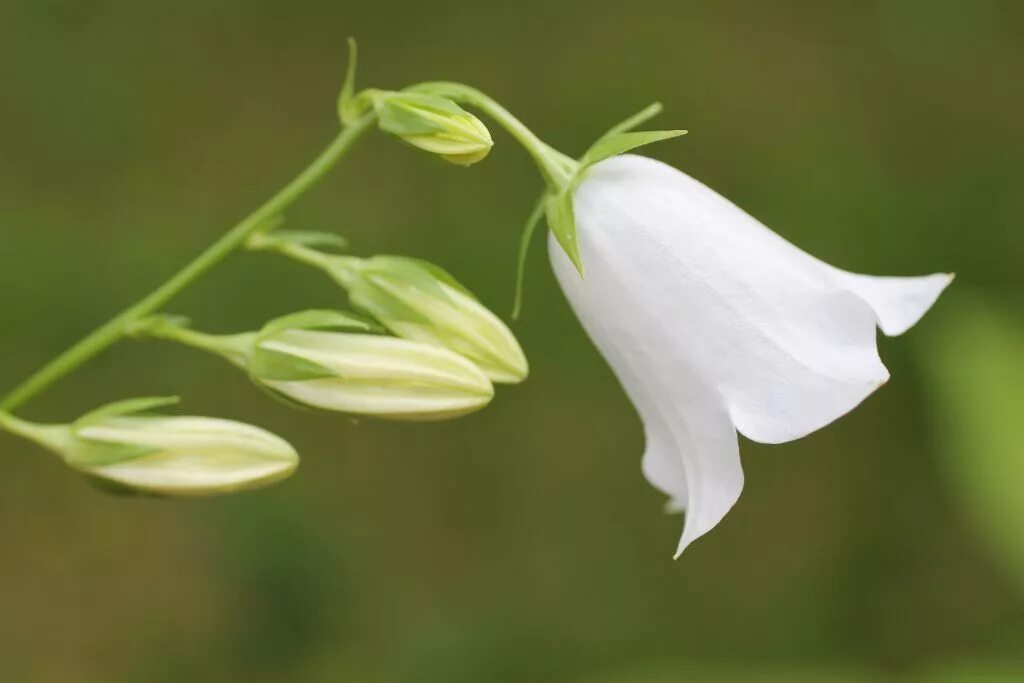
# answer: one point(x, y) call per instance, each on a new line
point(715, 325)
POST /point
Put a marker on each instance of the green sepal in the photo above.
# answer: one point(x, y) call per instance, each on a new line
point(619, 143)
point(316, 320)
point(348, 107)
point(284, 400)
point(420, 273)
point(114, 488)
point(559, 206)
point(270, 365)
point(397, 113)
point(529, 230)
point(267, 365)
point(367, 294)
point(81, 451)
point(94, 453)
point(130, 406)
point(314, 239)
point(561, 216)
point(637, 119)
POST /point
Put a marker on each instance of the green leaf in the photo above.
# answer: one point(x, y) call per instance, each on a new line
point(562, 221)
point(129, 406)
point(618, 143)
point(316, 320)
point(524, 248)
point(277, 366)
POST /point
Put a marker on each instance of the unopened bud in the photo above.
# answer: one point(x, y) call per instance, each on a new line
point(335, 361)
point(366, 374)
point(165, 455)
point(434, 124)
point(419, 301)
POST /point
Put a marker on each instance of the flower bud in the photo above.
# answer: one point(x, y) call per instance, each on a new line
point(335, 361)
point(416, 300)
point(163, 455)
point(434, 124)
point(367, 374)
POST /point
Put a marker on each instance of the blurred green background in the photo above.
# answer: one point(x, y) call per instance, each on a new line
point(520, 544)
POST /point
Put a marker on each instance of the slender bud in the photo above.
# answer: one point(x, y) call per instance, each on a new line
point(434, 124)
point(370, 375)
point(419, 301)
point(334, 361)
point(163, 455)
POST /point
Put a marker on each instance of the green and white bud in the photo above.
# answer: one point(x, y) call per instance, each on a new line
point(419, 301)
point(164, 455)
point(433, 124)
point(334, 361)
point(372, 375)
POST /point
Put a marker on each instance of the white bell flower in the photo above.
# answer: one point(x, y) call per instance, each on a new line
point(714, 325)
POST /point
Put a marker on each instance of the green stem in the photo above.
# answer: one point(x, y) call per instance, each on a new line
point(112, 331)
point(47, 436)
point(557, 168)
point(10, 423)
point(235, 347)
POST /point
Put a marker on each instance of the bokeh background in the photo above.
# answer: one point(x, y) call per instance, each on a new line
point(519, 544)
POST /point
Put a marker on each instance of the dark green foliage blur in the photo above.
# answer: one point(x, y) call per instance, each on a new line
point(521, 543)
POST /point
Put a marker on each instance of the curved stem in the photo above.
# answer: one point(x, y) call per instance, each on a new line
point(9, 423)
point(557, 168)
point(47, 436)
point(112, 331)
point(234, 347)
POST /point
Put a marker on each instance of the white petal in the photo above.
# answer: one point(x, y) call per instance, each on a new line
point(692, 452)
point(713, 322)
point(898, 302)
point(752, 315)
